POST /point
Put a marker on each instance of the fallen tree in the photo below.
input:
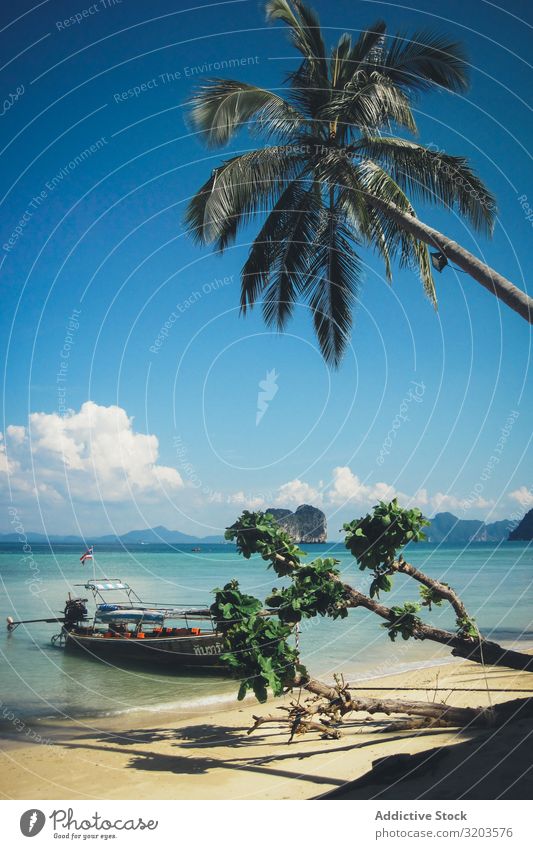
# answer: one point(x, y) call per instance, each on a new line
point(331, 704)
point(258, 635)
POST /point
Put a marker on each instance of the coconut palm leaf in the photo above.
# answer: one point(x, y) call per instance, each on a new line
point(410, 252)
point(236, 189)
point(306, 93)
point(305, 32)
point(365, 47)
point(332, 286)
point(358, 185)
point(424, 60)
point(434, 176)
point(272, 241)
point(294, 258)
point(368, 224)
point(220, 107)
point(336, 177)
point(339, 66)
point(370, 101)
point(348, 58)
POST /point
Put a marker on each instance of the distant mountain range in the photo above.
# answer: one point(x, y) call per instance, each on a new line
point(306, 524)
point(445, 527)
point(148, 536)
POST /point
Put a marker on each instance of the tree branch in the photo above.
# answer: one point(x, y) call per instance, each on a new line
point(477, 650)
point(444, 590)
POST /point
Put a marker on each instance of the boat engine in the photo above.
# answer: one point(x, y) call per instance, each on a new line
point(74, 612)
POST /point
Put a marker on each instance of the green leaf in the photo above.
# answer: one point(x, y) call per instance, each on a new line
point(385, 583)
point(386, 531)
point(260, 690)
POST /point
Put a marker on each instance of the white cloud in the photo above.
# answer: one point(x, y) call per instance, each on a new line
point(523, 496)
point(7, 463)
point(89, 455)
point(297, 492)
point(347, 487)
point(245, 500)
point(442, 501)
point(3, 455)
point(16, 433)
point(421, 498)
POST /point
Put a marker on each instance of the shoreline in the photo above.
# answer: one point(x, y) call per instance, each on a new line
point(208, 754)
point(188, 708)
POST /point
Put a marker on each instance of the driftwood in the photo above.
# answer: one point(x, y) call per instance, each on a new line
point(330, 704)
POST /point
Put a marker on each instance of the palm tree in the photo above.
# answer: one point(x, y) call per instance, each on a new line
point(332, 178)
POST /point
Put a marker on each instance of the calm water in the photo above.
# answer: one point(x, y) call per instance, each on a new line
point(40, 680)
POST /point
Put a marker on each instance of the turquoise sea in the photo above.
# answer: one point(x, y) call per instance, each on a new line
point(39, 680)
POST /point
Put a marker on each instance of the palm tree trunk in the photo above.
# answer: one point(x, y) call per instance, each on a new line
point(506, 291)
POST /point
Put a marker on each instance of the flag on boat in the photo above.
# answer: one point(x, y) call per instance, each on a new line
point(88, 555)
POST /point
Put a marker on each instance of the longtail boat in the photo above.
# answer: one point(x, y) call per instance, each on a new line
point(125, 629)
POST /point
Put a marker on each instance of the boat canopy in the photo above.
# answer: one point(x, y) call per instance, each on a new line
point(103, 586)
point(137, 608)
point(129, 614)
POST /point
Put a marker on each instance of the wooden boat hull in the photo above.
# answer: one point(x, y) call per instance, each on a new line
point(188, 652)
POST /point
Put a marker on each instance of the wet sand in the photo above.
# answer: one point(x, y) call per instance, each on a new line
point(210, 755)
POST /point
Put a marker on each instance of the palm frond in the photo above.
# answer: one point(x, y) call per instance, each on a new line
point(219, 108)
point(348, 58)
point(282, 253)
point(308, 95)
point(332, 287)
point(369, 224)
point(425, 59)
point(366, 181)
point(294, 259)
point(352, 202)
point(236, 189)
point(368, 102)
point(305, 32)
point(434, 176)
point(366, 45)
point(339, 65)
point(262, 259)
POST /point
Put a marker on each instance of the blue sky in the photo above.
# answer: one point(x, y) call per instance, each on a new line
point(134, 432)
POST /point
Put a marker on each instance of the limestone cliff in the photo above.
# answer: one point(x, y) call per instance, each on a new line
point(306, 525)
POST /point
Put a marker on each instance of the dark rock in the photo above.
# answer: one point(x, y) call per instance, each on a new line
point(524, 529)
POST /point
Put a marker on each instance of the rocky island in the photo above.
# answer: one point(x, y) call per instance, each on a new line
point(306, 525)
point(524, 529)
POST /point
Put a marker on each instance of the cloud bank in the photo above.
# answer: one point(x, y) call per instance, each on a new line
point(97, 456)
point(91, 455)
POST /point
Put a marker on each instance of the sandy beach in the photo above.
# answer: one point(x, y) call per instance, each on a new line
point(209, 755)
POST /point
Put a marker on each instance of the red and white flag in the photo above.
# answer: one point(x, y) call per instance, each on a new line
point(88, 555)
